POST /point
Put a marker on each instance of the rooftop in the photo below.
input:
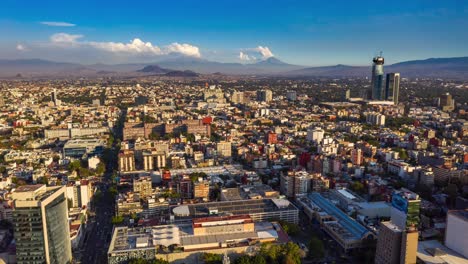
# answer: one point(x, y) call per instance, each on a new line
point(432, 251)
point(349, 224)
point(462, 214)
point(29, 188)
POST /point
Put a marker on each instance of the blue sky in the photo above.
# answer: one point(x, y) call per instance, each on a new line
point(299, 32)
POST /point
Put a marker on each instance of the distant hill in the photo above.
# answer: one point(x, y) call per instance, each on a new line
point(155, 69)
point(450, 68)
point(185, 73)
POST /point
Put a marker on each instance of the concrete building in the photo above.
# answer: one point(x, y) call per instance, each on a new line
point(126, 160)
point(224, 149)
point(376, 119)
point(153, 160)
point(77, 148)
point(315, 134)
point(356, 156)
point(258, 209)
point(348, 233)
point(237, 97)
point(214, 234)
point(264, 95)
point(295, 183)
point(456, 233)
point(402, 229)
point(41, 225)
point(143, 186)
point(201, 189)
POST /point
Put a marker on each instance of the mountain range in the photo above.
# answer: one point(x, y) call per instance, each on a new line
point(450, 68)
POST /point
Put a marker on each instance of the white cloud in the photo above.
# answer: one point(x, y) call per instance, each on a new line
point(65, 38)
point(136, 46)
point(57, 24)
point(245, 57)
point(21, 47)
point(265, 51)
point(185, 49)
point(250, 54)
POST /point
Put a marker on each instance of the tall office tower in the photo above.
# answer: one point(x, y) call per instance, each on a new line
point(392, 87)
point(447, 103)
point(377, 78)
point(264, 95)
point(41, 225)
point(54, 96)
point(347, 94)
point(398, 239)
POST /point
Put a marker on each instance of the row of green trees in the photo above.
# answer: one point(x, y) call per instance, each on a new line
point(289, 253)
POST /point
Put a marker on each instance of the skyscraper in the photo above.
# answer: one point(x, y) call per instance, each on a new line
point(377, 78)
point(446, 102)
point(392, 87)
point(54, 97)
point(41, 225)
point(398, 239)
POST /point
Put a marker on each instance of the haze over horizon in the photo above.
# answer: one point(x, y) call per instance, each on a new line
point(296, 32)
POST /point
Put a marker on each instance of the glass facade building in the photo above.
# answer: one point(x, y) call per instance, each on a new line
point(41, 225)
point(392, 87)
point(377, 92)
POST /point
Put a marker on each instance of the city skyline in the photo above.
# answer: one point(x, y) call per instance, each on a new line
point(297, 32)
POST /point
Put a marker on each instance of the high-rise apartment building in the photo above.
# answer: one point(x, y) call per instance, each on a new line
point(41, 225)
point(356, 156)
point(224, 149)
point(392, 87)
point(402, 230)
point(237, 97)
point(264, 95)
point(315, 134)
point(377, 78)
point(295, 183)
point(143, 186)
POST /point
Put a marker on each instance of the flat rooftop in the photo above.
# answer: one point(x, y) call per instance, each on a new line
point(242, 207)
point(351, 227)
point(462, 214)
point(432, 251)
point(29, 188)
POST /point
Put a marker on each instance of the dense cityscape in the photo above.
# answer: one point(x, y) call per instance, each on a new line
point(234, 170)
point(233, 132)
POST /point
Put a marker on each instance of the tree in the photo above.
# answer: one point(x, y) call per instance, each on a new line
point(291, 253)
point(244, 259)
point(358, 187)
point(117, 220)
point(258, 259)
point(316, 249)
point(2, 169)
point(210, 258)
point(74, 165)
point(290, 229)
point(145, 261)
point(101, 168)
point(84, 172)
